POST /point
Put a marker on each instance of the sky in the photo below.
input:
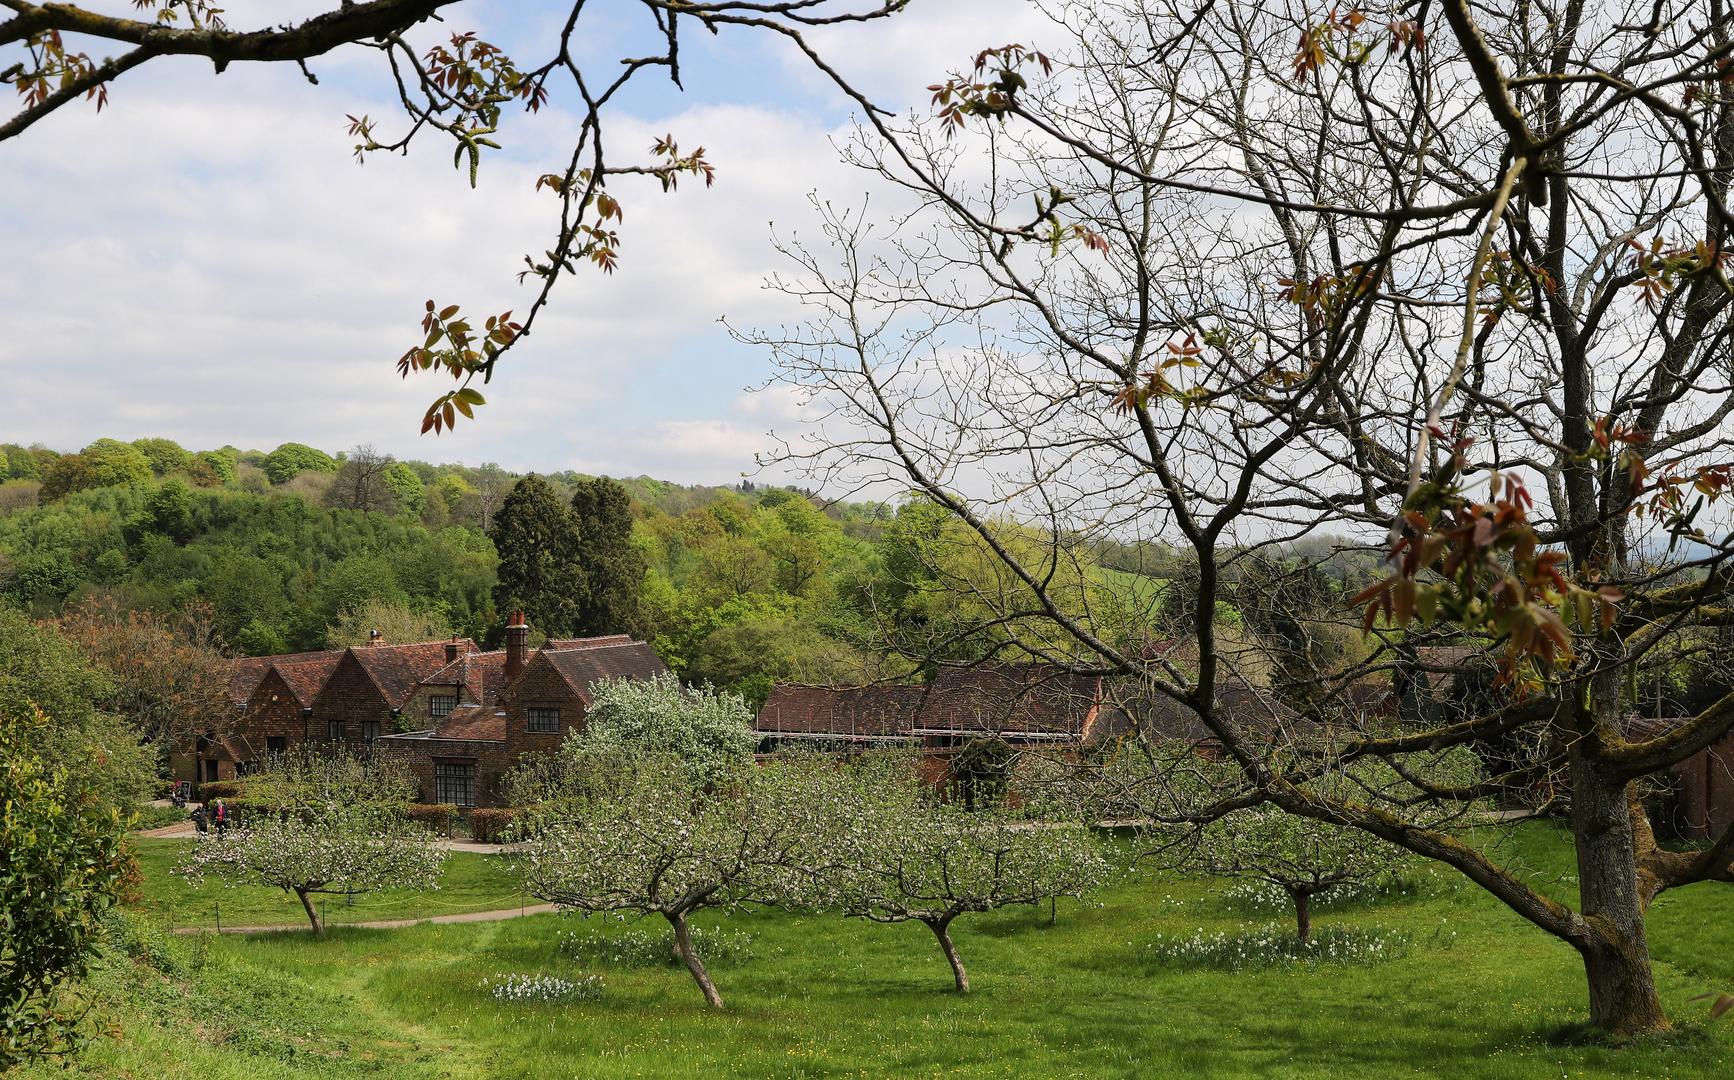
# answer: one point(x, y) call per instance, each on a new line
point(205, 261)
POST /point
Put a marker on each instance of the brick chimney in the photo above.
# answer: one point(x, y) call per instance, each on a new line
point(517, 646)
point(454, 649)
point(374, 637)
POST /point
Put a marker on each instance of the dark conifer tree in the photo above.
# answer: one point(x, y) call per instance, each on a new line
point(538, 543)
point(612, 566)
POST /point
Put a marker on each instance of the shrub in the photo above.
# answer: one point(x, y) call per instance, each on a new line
point(436, 816)
point(520, 989)
point(639, 947)
point(491, 826)
point(219, 789)
point(129, 886)
point(1275, 945)
point(155, 817)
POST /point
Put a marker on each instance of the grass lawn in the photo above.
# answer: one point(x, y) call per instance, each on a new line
point(1478, 995)
point(471, 883)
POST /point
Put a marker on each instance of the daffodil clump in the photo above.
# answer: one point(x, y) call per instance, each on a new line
point(1275, 945)
point(521, 989)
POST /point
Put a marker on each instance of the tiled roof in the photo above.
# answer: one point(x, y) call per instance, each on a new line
point(483, 675)
point(305, 673)
point(584, 666)
point(472, 722)
point(1010, 698)
point(588, 642)
point(249, 671)
point(1160, 717)
point(245, 675)
point(396, 669)
point(235, 748)
point(847, 711)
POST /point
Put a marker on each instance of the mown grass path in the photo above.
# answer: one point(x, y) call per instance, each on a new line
point(1478, 995)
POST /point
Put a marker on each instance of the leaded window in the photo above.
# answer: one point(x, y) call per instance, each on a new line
point(455, 784)
point(544, 720)
point(439, 705)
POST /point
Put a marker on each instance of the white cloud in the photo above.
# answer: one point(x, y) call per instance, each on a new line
point(204, 261)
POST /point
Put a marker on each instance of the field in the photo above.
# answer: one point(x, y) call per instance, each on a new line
point(1478, 994)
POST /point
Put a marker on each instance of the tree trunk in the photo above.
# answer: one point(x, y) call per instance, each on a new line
point(1615, 947)
point(683, 943)
point(312, 912)
point(1303, 912)
point(942, 930)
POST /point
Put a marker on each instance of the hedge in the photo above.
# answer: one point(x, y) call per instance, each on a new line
point(437, 816)
point(219, 789)
point(490, 826)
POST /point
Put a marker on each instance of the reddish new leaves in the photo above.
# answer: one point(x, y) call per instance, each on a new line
point(459, 357)
point(1480, 566)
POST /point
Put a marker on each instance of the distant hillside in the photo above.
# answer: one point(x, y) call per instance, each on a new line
point(745, 585)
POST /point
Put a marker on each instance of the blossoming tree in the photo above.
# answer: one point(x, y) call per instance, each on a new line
point(641, 834)
point(319, 851)
point(898, 856)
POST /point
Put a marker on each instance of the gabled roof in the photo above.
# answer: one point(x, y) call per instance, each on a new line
point(305, 674)
point(841, 711)
point(396, 669)
point(245, 675)
point(582, 667)
point(1009, 698)
point(236, 748)
point(483, 675)
point(249, 671)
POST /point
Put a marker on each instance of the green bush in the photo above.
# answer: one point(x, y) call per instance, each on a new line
point(436, 816)
point(219, 789)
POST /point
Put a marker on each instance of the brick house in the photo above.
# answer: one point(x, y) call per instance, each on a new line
point(444, 697)
point(501, 707)
point(271, 695)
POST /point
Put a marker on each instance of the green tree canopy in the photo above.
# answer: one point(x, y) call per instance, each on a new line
point(612, 567)
point(164, 455)
point(291, 459)
point(40, 671)
point(115, 463)
point(537, 540)
point(405, 486)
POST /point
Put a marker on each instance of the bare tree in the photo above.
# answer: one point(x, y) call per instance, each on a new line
point(360, 482)
point(1270, 293)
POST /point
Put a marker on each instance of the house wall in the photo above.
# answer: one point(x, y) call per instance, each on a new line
point(492, 760)
point(351, 696)
point(273, 712)
point(540, 686)
point(415, 716)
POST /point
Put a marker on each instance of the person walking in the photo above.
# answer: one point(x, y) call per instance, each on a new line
point(222, 818)
point(197, 817)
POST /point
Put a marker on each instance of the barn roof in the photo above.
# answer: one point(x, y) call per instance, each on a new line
point(843, 711)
